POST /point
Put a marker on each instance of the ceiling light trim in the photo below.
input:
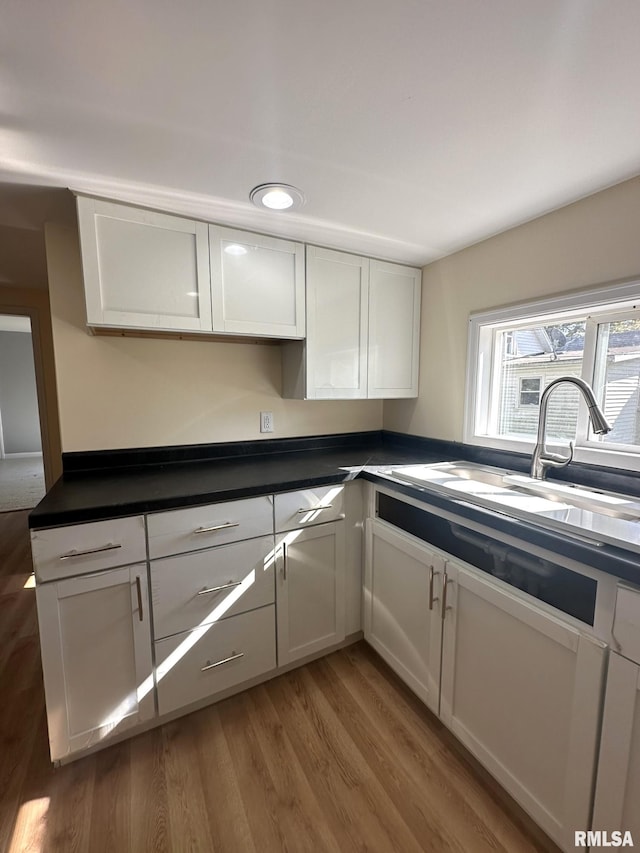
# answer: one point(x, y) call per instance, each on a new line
point(277, 197)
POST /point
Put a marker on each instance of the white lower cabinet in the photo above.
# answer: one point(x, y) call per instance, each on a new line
point(310, 590)
point(198, 664)
point(96, 657)
point(213, 608)
point(203, 587)
point(519, 687)
point(402, 622)
point(618, 785)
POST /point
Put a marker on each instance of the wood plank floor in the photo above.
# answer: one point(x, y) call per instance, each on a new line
point(336, 756)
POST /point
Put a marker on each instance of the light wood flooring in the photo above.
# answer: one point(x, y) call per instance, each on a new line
point(335, 756)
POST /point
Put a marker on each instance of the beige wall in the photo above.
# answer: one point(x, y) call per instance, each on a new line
point(132, 392)
point(589, 243)
point(35, 304)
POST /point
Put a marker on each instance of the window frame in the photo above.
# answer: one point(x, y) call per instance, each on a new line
point(597, 305)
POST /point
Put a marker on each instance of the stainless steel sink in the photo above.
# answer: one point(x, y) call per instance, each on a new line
point(607, 503)
point(477, 473)
point(494, 484)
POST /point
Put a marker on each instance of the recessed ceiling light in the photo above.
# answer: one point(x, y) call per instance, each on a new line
point(277, 197)
point(235, 249)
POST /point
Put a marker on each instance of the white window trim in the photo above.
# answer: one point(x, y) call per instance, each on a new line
point(481, 356)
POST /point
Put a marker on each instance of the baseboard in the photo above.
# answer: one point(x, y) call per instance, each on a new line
point(28, 455)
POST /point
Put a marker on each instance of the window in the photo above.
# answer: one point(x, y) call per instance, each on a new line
point(515, 353)
point(530, 389)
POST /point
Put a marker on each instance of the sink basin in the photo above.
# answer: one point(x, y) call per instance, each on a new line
point(512, 489)
point(477, 473)
point(594, 500)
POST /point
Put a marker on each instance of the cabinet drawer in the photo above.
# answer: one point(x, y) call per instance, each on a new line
point(308, 506)
point(201, 663)
point(62, 552)
point(195, 589)
point(626, 622)
point(201, 527)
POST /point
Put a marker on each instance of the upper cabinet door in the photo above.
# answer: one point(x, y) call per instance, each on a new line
point(337, 318)
point(257, 284)
point(142, 269)
point(394, 330)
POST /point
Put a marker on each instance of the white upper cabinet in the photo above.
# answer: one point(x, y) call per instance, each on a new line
point(394, 330)
point(357, 321)
point(153, 271)
point(337, 325)
point(257, 284)
point(144, 270)
point(363, 328)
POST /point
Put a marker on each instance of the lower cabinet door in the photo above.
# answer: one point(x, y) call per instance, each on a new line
point(402, 616)
point(310, 590)
point(198, 664)
point(521, 690)
point(618, 784)
point(96, 656)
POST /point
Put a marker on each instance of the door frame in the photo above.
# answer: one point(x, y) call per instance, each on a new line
point(33, 313)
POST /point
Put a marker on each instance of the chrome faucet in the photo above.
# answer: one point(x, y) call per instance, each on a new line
point(542, 458)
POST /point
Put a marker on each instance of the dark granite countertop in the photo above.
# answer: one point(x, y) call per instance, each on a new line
point(109, 492)
point(97, 486)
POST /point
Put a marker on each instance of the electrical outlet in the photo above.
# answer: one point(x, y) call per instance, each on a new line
point(266, 421)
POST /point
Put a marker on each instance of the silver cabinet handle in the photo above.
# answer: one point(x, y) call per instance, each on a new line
point(233, 656)
point(314, 508)
point(432, 597)
point(445, 581)
point(220, 588)
point(73, 554)
point(284, 561)
point(139, 591)
point(216, 527)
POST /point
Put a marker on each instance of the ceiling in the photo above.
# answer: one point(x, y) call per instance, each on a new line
point(414, 127)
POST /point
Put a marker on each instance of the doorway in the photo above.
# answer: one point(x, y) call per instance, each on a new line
point(22, 483)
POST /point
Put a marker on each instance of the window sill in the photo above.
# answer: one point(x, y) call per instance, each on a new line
point(624, 461)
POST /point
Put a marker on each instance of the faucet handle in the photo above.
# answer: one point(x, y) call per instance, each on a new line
point(556, 460)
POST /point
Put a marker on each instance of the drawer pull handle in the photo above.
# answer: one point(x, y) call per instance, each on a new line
point(314, 508)
point(217, 527)
point(220, 588)
point(139, 591)
point(233, 656)
point(73, 554)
